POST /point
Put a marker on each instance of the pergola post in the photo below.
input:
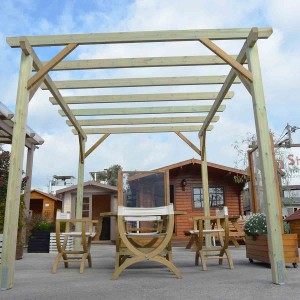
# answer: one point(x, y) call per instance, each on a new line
point(15, 175)
point(268, 171)
point(79, 200)
point(205, 187)
point(29, 163)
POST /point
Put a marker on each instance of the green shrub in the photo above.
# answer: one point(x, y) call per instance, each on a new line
point(44, 225)
point(256, 225)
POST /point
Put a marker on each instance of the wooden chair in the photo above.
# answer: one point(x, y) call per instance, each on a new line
point(150, 244)
point(85, 235)
point(220, 228)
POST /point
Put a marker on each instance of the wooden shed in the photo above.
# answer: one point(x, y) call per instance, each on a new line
point(186, 191)
point(44, 204)
point(294, 221)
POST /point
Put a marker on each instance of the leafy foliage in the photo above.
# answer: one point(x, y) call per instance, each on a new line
point(256, 225)
point(110, 176)
point(4, 172)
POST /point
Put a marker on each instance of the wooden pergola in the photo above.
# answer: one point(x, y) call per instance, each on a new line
point(106, 121)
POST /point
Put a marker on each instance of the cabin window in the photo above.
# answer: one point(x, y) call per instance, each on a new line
point(216, 197)
point(86, 207)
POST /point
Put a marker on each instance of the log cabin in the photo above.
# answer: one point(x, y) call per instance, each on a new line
point(186, 190)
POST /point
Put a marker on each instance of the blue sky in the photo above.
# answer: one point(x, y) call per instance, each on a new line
point(279, 57)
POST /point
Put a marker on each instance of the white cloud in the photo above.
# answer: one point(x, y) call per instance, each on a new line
point(279, 62)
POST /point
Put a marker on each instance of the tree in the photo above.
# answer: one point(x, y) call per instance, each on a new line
point(109, 176)
point(242, 146)
point(4, 172)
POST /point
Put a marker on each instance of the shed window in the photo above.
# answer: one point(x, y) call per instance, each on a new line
point(86, 207)
point(216, 197)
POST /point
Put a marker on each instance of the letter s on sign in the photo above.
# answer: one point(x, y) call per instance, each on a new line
point(291, 159)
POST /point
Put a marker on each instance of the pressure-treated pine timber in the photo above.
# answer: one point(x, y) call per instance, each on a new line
point(139, 121)
point(99, 142)
point(27, 190)
point(267, 168)
point(142, 110)
point(152, 129)
point(141, 98)
point(231, 61)
point(252, 38)
point(51, 86)
point(136, 82)
point(49, 65)
point(245, 82)
point(29, 133)
point(140, 62)
point(187, 141)
point(15, 174)
point(79, 198)
point(205, 187)
point(5, 114)
point(141, 36)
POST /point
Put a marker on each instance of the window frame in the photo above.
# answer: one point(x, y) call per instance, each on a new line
point(201, 193)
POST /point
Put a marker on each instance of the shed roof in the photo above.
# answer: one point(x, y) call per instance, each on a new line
point(46, 195)
point(7, 126)
point(198, 162)
point(294, 216)
point(87, 184)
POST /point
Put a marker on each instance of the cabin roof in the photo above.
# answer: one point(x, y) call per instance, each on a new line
point(89, 183)
point(294, 216)
point(198, 162)
point(46, 195)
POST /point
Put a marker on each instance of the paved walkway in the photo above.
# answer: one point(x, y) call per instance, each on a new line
point(34, 280)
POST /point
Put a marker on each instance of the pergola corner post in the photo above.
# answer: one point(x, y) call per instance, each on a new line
point(29, 163)
point(268, 171)
point(15, 175)
point(205, 187)
point(80, 180)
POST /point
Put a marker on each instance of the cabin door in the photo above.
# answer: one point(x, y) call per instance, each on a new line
point(101, 203)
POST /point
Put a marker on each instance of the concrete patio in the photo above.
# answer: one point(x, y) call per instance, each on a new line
point(34, 280)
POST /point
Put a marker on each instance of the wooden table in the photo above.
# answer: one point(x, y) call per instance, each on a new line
point(236, 231)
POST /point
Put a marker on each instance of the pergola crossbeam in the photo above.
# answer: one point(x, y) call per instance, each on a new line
point(140, 62)
point(139, 121)
point(152, 129)
point(252, 38)
point(99, 142)
point(50, 64)
point(26, 47)
point(188, 142)
point(142, 110)
point(141, 98)
point(137, 82)
point(231, 61)
point(141, 36)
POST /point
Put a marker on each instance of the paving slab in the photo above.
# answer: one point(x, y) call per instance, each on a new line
point(148, 280)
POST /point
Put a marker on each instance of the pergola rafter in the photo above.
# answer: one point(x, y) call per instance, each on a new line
point(92, 111)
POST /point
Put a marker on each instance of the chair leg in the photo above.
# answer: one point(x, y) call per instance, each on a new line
point(65, 257)
point(89, 257)
point(56, 261)
point(84, 257)
point(230, 261)
point(191, 242)
point(126, 264)
point(203, 261)
point(168, 264)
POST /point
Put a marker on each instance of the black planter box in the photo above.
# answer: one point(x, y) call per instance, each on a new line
point(39, 242)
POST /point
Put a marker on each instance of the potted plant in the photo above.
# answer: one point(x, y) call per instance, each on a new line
point(39, 236)
point(257, 242)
